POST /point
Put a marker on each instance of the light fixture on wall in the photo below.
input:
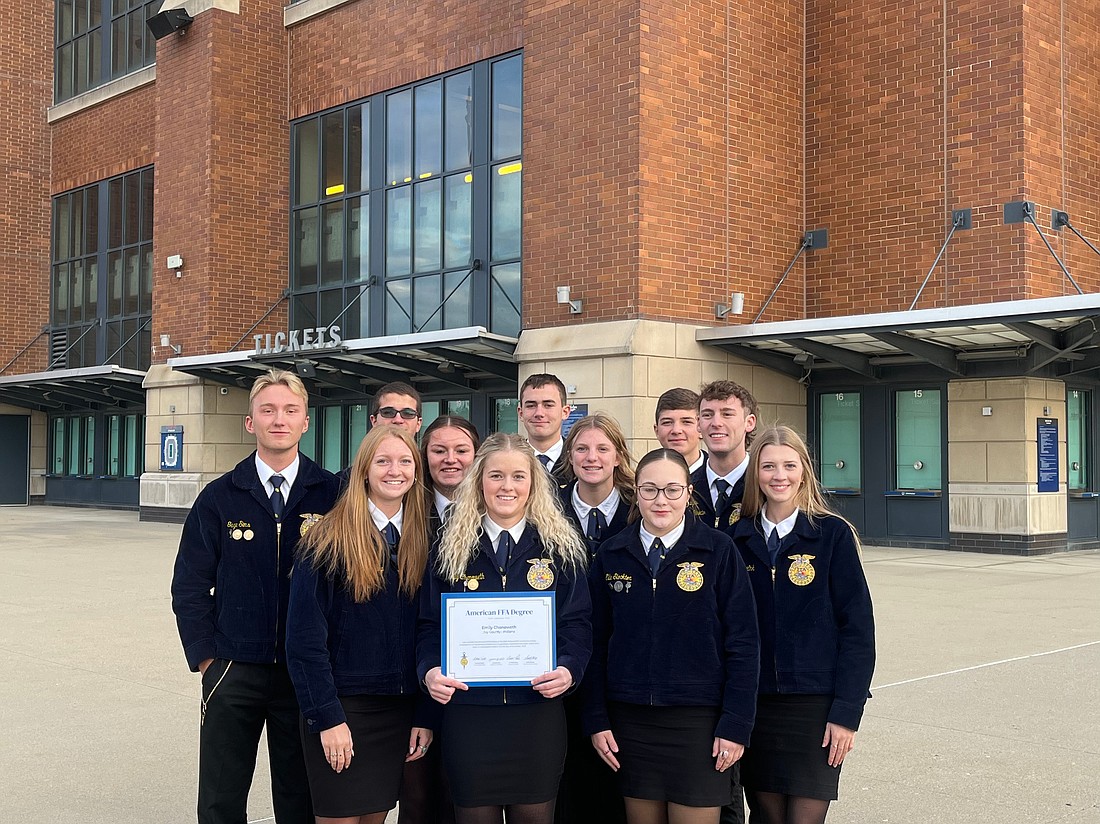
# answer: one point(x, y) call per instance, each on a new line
point(166, 341)
point(169, 22)
point(576, 305)
point(735, 307)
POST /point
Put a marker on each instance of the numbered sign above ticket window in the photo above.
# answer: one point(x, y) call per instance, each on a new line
point(171, 449)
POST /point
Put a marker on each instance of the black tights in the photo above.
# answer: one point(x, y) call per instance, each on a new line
point(776, 808)
point(512, 813)
point(645, 811)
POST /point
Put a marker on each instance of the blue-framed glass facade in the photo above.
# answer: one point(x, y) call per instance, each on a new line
point(394, 198)
point(96, 41)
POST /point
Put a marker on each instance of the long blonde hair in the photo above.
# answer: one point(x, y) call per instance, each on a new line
point(462, 535)
point(809, 497)
point(346, 543)
point(623, 476)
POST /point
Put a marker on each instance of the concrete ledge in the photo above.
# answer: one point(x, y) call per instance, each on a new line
point(299, 12)
point(100, 94)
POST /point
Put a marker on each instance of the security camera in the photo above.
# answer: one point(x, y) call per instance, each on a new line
point(224, 390)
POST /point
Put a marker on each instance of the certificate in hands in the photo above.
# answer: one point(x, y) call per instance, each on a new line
point(500, 639)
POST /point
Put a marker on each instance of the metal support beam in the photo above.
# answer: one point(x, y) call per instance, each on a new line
point(933, 353)
point(421, 368)
point(853, 361)
point(762, 357)
point(1023, 211)
point(491, 366)
point(960, 219)
point(1040, 334)
point(817, 239)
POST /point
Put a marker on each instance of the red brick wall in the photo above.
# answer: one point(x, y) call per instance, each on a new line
point(114, 137)
point(26, 71)
point(222, 175)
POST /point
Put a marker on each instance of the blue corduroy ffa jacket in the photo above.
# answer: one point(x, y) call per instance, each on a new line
point(685, 638)
point(572, 604)
point(231, 586)
point(337, 647)
point(817, 638)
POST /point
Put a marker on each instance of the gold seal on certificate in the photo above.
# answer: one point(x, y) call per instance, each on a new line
point(499, 638)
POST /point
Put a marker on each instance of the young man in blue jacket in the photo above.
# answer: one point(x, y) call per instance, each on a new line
point(230, 591)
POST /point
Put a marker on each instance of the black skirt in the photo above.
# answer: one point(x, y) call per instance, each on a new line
point(507, 754)
point(380, 726)
point(665, 754)
point(786, 755)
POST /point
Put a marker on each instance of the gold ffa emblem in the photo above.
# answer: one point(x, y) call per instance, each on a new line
point(735, 514)
point(471, 583)
point(308, 520)
point(540, 576)
point(236, 534)
point(464, 661)
point(801, 572)
point(689, 578)
point(240, 530)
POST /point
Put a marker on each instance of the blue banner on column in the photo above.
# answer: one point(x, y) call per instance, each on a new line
point(1047, 443)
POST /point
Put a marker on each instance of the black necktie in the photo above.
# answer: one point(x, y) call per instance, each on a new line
point(545, 461)
point(773, 544)
point(597, 523)
point(723, 487)
point(393, 537)
point(656, 552)
point(277, 482)
point(504, 549)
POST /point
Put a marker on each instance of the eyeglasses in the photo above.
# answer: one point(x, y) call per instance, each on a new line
point(648, 492)
point(406, 413)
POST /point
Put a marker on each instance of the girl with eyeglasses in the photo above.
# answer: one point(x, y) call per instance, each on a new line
point(817, 634)
point(596, 495)
point(351, 631)
point(504, 747)
point(669, 697)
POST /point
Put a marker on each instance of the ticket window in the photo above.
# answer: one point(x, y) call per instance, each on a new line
point(918, 446)
point(840, 443)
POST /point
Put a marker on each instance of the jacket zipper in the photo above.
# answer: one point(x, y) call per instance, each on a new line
point(775, 612)
point(504, 588)
point(652, 619)
point(278, 553)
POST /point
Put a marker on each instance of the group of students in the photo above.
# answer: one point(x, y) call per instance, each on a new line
point(712, 614)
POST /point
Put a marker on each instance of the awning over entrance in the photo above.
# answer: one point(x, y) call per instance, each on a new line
point(1046, 338)
point(469, 359)
point(63, 390)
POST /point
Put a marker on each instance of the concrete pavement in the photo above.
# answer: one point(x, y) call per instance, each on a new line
point(984, 710)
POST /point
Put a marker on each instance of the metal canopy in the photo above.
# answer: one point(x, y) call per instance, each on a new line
point(66, 390)
point(1047, 338)
point(452, 361)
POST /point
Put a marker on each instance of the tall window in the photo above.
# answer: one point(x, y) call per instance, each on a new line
point(398, 194)
point(918, 449)
point(102, 276)
point(99, 40)
point(1077, 438)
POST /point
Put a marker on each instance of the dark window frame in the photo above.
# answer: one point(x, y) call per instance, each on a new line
point(315, 301)
point(85, 55)
point(106, 335)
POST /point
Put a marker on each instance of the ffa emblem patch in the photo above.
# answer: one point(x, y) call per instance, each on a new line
point(540, 576)
point(308, 520)
point(689, 578)
point(801, 572)
point(735, 514)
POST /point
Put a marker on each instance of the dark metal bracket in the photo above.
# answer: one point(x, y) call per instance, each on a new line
point(1023, 211)
point(1058, 219)
point(816, 239)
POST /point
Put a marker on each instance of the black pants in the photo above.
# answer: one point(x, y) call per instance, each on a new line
point(238, 700)
point(734, 813)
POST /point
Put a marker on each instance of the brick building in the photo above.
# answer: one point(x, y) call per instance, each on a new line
point(899, 198)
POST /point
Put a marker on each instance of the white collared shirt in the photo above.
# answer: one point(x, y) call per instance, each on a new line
point(441, 502)
point(608, 506)
point(670, 540)
point(493, 530)
point(290, 474)
point(553, 453)
point(698, 462)
point(785, 527)
point(380, 519)
point(732, 478)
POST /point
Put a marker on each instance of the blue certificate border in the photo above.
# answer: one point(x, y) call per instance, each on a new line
point(454, 596)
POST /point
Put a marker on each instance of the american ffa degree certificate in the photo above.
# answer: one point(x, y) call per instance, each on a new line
point(500, 639)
